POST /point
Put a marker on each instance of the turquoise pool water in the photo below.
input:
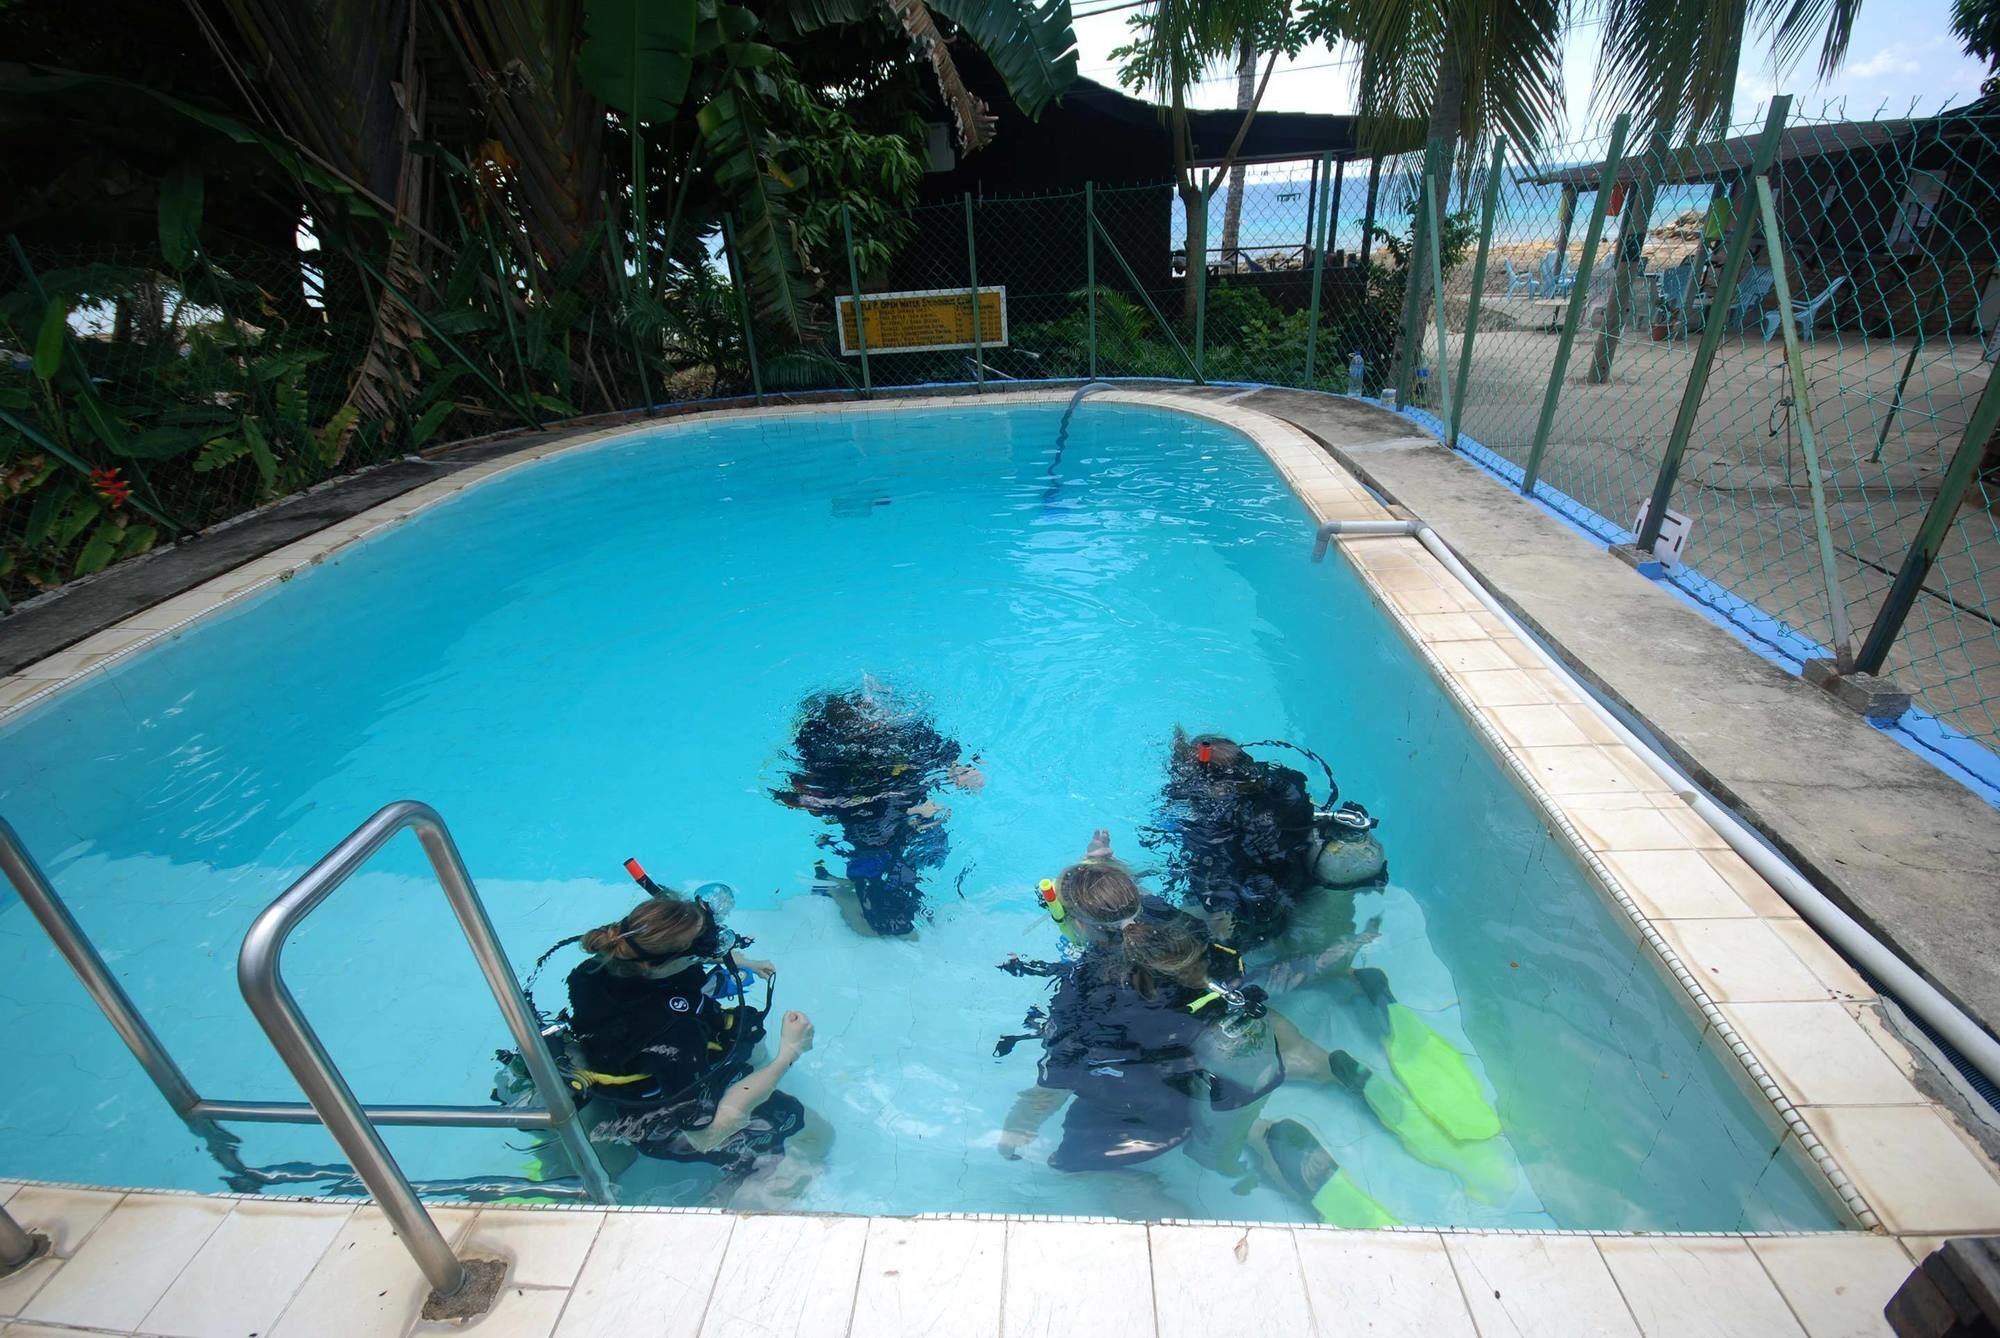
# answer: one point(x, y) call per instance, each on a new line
point(600, 656)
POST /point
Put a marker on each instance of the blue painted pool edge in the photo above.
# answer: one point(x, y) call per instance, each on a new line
point(1951, 751)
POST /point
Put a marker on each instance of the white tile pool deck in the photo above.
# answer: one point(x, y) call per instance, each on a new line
point(1801, 1027)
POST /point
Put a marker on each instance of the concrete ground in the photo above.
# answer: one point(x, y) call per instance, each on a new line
point(1744, 478)
point(1910, 853)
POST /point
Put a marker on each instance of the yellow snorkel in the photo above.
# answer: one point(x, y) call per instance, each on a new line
point(1046, 894)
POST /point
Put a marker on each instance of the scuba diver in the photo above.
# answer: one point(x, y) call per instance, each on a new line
point(666, 1067)
point(1158, 1043)
point(869, 771)
point(1247, 844)
point(1244, 840)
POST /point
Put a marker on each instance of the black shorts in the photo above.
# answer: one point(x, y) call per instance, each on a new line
point(1106, 1138)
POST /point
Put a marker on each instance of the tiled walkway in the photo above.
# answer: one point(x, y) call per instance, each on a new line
point(183, 1266)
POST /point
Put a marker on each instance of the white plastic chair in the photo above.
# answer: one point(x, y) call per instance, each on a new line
point(1803, 312)
point(1751, 290)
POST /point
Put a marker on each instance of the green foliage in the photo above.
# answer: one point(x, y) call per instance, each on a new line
point(638, 55)
point(835, 162)
point(1032, 46)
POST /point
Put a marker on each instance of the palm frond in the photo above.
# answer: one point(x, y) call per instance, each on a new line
point(1032, 46)
point(975, 121)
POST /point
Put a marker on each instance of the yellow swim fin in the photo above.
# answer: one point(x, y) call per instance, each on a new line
point(1438, 1077)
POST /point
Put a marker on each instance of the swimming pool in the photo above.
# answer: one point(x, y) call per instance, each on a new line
point(601, 656)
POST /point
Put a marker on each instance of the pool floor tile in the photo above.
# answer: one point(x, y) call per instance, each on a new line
point(18, 1290)
point(1820, 1054)
point(1916, 1172)
point(542, 1249)
point(1840, 979)
point(1396, 1284)
point(931, 1278)
point(647, 1273)
point(1228, 1282)
point(365, 1285)
point(1539, 1286)
point(1836, 1285)
point(1068, 1278)
point(65, 1216)
point(1686, 1286)
point(242, 1279)
point(1741, 961)
point(128, 1263)
point(787, 1275)
point(1675, 884)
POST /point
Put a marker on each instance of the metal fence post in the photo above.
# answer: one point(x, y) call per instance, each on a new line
point(1711, 335)
point(1090, 269)
point(1781, 287)
point(1579, 293)
point(1200, 292)
point(1434, 197)
point(1924, 549)
point(854, 282)
point(743, 306)
point(1319, 270)
point(1139, 289)
point(1487, 209)
point(1368, 216)
point(972, 272)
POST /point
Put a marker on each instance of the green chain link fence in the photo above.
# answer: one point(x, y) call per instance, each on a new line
point(1615, 346)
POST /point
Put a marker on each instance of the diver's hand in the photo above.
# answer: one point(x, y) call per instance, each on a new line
point(969, 779)
point(758, 966)
point(1100, 844)
point(795, 1036)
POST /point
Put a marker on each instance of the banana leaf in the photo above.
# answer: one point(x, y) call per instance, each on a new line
point(637, 55)
point(732, 127)
point(1032, 46)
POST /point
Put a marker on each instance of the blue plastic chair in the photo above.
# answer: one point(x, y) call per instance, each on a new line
point(1552, 283)
point(1675, 285)
point(1803, 312)
point(1751, 290)
point(1517, 282)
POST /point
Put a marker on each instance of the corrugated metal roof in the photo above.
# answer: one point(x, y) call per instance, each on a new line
point(1733, 157)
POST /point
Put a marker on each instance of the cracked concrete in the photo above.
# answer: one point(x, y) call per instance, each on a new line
point(1903, 848)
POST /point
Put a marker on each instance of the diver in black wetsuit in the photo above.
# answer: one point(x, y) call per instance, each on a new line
point(1151, 1049)
point(1244, 842)
point(670, 1068)
point(864, 768)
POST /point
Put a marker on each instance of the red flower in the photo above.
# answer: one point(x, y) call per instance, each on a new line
point(109, 486)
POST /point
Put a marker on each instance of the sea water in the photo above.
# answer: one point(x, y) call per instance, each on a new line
point(601, 656)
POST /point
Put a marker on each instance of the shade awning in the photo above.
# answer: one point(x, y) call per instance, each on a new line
point(1726, 159)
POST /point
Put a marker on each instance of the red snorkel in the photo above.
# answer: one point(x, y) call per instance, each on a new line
point(639, 876)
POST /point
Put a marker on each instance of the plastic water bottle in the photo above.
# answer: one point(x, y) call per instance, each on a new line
point(1422, 390)
point(1357, 372)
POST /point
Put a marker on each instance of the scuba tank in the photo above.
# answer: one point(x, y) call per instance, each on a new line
point(1350, 855)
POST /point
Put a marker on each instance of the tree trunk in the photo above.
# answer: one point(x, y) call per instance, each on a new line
point(1197, 247)
point(1232, 217)
point(1628, 272)
point(1446, 115)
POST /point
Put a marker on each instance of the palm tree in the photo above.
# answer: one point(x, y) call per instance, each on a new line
point(1174, 42)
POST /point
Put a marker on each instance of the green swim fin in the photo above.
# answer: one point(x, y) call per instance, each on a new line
point(1438, 1077)
point(1481, 1166)
point(1342, 1203)
point(1312, 1173)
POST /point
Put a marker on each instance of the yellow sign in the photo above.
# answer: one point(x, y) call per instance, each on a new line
point(922, 322)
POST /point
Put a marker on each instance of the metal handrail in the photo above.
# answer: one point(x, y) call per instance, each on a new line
point(259, 973)
point(201, 1114)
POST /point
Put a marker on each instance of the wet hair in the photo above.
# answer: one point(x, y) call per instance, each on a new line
point(656, 929)
point(1157, 951)
point(1102, 890)
point(845, 733)
point(1223, 753)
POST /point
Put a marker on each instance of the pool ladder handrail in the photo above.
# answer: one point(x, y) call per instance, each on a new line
point(330, 1101)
